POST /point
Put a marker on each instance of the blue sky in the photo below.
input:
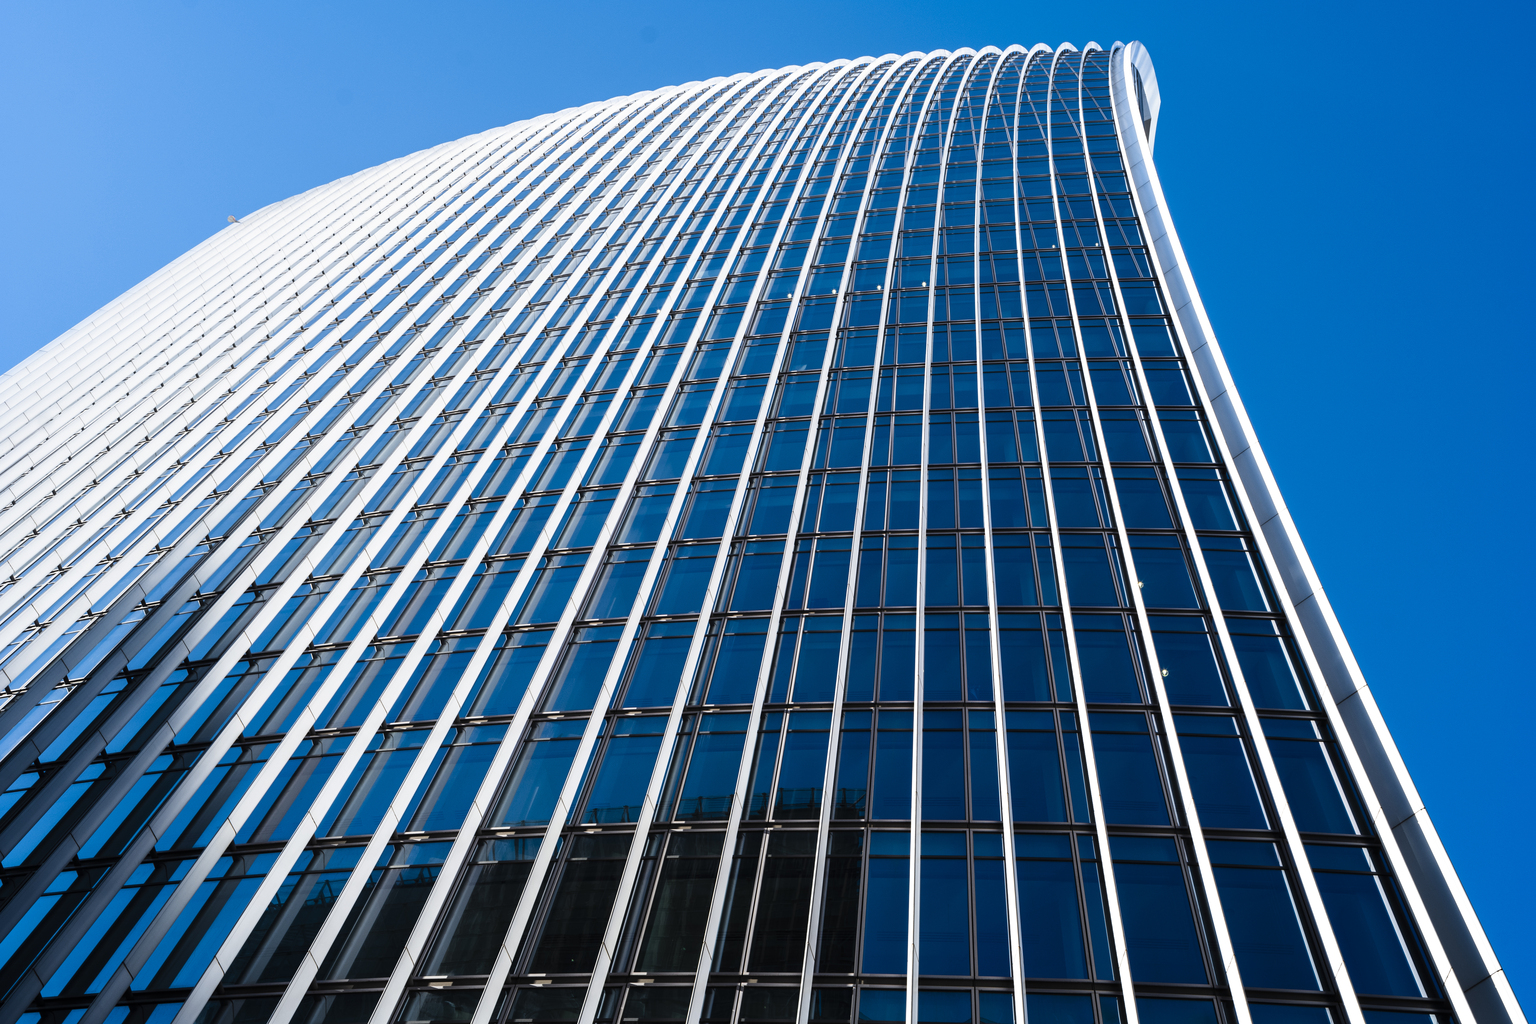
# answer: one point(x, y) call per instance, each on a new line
point(1346, 179)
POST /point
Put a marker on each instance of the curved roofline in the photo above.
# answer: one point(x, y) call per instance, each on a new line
point(1147, 96)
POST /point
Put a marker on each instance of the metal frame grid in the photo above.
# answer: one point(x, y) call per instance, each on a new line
point(282, 519)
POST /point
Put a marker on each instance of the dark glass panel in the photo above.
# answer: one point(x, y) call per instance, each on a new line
point(680, 907)
point(578, 913)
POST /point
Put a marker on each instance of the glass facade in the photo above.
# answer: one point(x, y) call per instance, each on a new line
point(781, 548)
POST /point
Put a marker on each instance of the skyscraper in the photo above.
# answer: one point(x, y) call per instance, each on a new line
point(781, 548)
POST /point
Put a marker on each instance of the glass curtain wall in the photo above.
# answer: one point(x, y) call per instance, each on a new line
point(752, 551)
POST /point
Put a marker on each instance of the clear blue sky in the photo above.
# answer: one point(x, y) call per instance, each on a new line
point(1351, 181)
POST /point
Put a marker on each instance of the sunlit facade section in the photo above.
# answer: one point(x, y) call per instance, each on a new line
point(784, 548)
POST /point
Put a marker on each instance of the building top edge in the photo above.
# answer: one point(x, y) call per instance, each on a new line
point(578, 109)
point(534, 122)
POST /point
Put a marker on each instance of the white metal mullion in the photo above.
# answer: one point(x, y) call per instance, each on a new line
point(215, 675)
point(776, 617)
point(1005, 804)
point(523, 911)
point(1085, 736)
point(744, 770)
point(843, 92)
point(84, 644)
point(994, 646)
point(1385, 827)
point(195, 776)
point(550, 368)
point(293, 738)
point(405, 792)
point(251, 442)
point(160, 338)
point(144, 504)
point(829, 772)
point(290, 249)
point(781, 589)
point(515, 925)
point(1287, 608)
point(659, 771)
point(386, 177)
point(227, 549)
point(648, 809)
point(563, 805)
point(125, 428)
point(824, 826)
point(330, 931)
point(294, 225)
point(427, 920)
point(467, 838)
point(36, 406)
point(72, 489)
point(273, 675)
point(298, 335)
point(961, 64)
point(144, 507)
point(184, 540)
point(72, 448)
point(1179, 773)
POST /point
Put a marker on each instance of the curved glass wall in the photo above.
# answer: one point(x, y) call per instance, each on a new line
point(753, 551)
